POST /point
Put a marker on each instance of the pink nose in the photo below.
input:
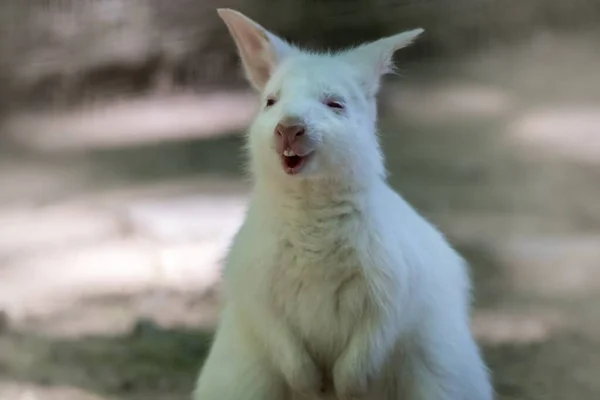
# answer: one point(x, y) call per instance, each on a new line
point(289, 132)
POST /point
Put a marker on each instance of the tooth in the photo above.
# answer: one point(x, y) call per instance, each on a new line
point(289, 153)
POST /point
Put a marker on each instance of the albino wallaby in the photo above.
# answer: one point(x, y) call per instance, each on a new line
point(334, 287)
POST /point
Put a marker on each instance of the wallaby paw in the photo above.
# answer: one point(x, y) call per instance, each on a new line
point(305, 378)
point(349, 382)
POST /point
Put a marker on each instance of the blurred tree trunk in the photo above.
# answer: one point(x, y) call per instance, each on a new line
point(62, 53)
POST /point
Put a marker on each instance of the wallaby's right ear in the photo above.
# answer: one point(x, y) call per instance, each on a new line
point(260, 50)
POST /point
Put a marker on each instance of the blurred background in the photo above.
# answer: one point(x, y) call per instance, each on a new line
point(121, 183)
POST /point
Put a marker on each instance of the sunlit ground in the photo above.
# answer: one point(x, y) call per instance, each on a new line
point(115, 221)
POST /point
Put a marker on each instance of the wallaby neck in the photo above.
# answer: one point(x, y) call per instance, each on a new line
point(319, 197)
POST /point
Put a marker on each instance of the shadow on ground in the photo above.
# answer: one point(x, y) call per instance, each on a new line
point(153, 162)
point(153, 363)
point(149, 363)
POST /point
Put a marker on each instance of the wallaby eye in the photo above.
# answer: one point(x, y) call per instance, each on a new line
point(270, 102)
point(335, 104)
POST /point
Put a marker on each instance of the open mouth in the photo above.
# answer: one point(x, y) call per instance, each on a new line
point(293, 163)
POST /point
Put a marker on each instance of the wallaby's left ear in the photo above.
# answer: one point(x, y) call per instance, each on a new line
point(375, 58)
point(260, 50)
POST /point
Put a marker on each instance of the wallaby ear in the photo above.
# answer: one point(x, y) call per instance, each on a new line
point(260, 50)
point(375, 58)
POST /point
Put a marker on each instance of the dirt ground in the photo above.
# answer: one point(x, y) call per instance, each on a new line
point(109, 254)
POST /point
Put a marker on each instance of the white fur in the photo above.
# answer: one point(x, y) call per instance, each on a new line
point(333, 281)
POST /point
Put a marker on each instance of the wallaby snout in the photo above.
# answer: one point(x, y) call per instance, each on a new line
point(287, 132)
point(292, 144)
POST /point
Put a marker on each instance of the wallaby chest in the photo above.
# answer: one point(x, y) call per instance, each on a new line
point(318, 282)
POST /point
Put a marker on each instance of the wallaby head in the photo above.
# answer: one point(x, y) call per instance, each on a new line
point(317, 117)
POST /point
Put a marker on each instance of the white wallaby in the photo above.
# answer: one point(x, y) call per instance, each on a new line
point(334, 287)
